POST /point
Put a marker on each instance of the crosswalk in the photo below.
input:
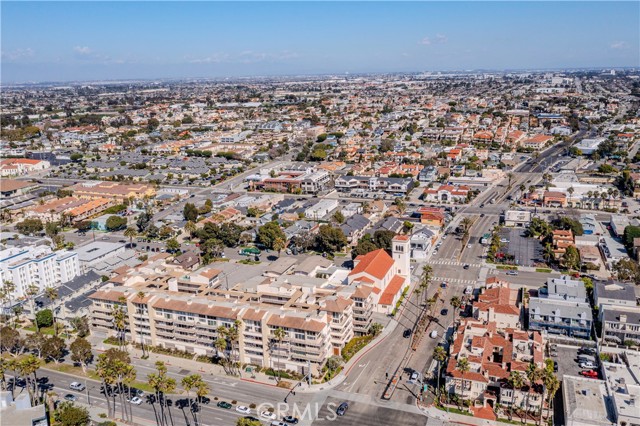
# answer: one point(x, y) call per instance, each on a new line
point(454, 280)
point(453, 263)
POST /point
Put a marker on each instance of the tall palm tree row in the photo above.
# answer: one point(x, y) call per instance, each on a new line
point(162, 385)
point(279, 334)
point(439, 354)
point(463, 367)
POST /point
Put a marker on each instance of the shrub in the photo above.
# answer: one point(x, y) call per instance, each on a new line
point(234, 402)
point(354, 345)
point(252, 405)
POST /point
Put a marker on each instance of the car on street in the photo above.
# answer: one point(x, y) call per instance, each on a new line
point(406, 333)
point(268, 415)
point(277, 423)
point(589, 373)
point(136, 400)
point(414, 378)
point(555, 366)
point(587, 351)
point(224, 404)
point(443, 285)
point(481, 214)
point(70, 397)
point(342, 409)
point(76, 386)
point(465, 267)
point(242, 409)
point(434, 334)
point(512, 272)
point(290, 420)
point(444, 312)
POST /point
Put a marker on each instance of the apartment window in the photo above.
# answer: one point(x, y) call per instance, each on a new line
point(299, 336)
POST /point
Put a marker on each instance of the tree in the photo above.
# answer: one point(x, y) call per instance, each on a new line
point(75, 157)
point(6, 292)
point(106, 368)
point(9, 339)
point(279, 334)
point(83, 226)
point(279, 244)
point(81, 325)
point(53, 349)
point(568, 223)
point(338, 217)
point(194, 381)
point(190, 228)
point(627, 270)
point(375, 329)
point(190, 212)
point(455, 303)
point(81, 352)
point(625, 183)
point(571, 258)
point(143, 221)
point(115, 223)
point(463, 367)
point(27, 368)
point(30, 226)
point(130, 233)
point(365, 245)
point(68, 414)
point(439, 354)
point(44, 318)
point(630, 233)
point(51, 229)
point(161, 384)
point(425, 280)
point(269, 233)
point(539, 228)
point(173, 245)
point(52, 294)
point(330, 239)
point(516, 381)
point(35, 342)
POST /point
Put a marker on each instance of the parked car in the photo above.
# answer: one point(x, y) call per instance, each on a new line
point(70, 397)
point(465, 266)
point(555, 366)
point(290, 420)
point(443, 285)
point(444, 312)
point(77, 386)
point(587, 365)
point(224, 404)
point(406, 333)
point(277, 423)
point(242, 409)
point(342, 409)
point(512, 272)
point(434, 334)
point(589, 373)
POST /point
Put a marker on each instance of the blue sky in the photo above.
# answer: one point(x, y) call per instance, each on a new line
point(61, 41)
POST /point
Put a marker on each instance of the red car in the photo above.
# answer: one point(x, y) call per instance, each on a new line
point(590, 373)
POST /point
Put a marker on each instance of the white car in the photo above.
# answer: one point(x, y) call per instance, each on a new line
point(76, 386)
point(268, 415)
point(242, 409)
point(136, 400)
point(588, 365)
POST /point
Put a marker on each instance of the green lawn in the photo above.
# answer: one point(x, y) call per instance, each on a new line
point(43, 330)
point(543, 270)
point(507, 267)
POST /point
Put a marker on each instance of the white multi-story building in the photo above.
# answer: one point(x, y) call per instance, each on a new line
point(37, 265)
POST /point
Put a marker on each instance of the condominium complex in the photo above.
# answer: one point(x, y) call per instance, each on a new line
point(37, 265)
point(174, 308)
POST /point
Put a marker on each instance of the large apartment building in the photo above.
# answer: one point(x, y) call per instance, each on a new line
point(37, 265)
point(174, 308)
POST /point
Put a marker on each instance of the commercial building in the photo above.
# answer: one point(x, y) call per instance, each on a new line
point(37, 265)
point(517, 218)
point(589, 146)
point(585, 402)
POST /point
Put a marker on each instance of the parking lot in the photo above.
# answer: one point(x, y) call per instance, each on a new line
point(526, 251)
point(567, 363)
point(363, 414)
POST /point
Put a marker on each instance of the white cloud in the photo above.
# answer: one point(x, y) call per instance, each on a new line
point(441, 38)
point(17, 54)
point(426, 41)
point(82, 50)
point(619, 45)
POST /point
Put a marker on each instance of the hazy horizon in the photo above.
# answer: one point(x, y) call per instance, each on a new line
point(89, 41)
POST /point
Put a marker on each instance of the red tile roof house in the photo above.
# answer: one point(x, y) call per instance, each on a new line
point(447, 193)
point(537, 142)
point(493, 354)
point(498, 303)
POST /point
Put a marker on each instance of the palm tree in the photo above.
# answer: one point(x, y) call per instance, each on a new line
point(31, 292)
point(570, 191)
point(455, 303)
point(119, 321)
point(533, 375)
point(130, 233)
point(510, 176)
point(188, 383)
point(6, 293)
point(425, 280)
point(221, 345)
point(233, 335)
point(552, 384)
point(140, 295)
point(27, 367)
point(162, 385)
point(548, 253)
point(279, 244)
point(52, 294)
point(190, 228)
point(279, 335)
point(463, 367)
point(516, 381)
point(439, 354)
point(522, 188)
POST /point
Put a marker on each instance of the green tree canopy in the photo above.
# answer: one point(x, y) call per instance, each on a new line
point(116, 223)
point(330, 239)
point(269, 232)
point(30, 226)
point(190, 212)
point(44, 318)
